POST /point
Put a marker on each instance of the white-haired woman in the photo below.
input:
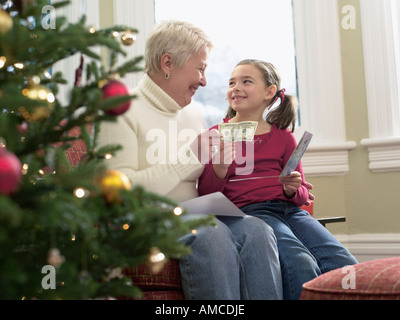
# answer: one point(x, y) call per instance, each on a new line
point(161, 137)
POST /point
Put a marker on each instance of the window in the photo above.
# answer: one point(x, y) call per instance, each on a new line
point(318, 63)
point(381, 31)
point(317, 59)
point(260, 29)
point(74, 11)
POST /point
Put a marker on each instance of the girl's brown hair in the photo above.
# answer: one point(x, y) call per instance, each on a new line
point(283, 116)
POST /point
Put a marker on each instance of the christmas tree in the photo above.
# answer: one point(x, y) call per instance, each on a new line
point(78, 225)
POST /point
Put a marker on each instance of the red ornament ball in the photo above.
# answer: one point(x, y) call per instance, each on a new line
point(10, 172)
point(115, 88)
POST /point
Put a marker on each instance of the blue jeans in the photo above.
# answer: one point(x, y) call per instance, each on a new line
point(306, 248)
point(237, 259)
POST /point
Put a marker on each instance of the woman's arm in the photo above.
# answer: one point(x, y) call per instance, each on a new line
point(160, 178)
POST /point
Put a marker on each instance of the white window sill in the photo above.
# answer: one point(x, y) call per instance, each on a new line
point(384, 154)
point(327, 159)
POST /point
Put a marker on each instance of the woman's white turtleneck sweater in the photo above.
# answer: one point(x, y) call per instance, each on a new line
point(155, 134)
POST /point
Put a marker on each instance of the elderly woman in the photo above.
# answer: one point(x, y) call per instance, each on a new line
point(160, 136)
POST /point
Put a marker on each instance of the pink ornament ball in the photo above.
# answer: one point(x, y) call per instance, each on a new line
point(115, 88)
point(10, 172)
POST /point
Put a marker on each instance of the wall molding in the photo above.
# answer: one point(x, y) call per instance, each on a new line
point(367, 247)
point(327, 159)
point(384, 154)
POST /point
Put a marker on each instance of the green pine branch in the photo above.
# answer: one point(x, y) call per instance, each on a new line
point(93, 236)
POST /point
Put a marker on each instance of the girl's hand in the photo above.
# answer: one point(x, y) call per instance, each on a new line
point(291, 183)
point(223, 158)
point(204, 145)
point(311, 197)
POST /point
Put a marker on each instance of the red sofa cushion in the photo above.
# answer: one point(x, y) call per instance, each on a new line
point(78, 147)
point(165, 285)
point(168, 278)
point(163, 295)
point(372, 280)
point(309, 208)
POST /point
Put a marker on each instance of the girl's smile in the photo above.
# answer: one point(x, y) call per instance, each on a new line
point(247, 92)
point(238, 98)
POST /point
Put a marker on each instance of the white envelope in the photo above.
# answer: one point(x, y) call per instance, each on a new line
point(213, 203)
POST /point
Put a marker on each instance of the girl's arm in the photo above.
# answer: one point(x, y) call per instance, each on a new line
point(215, 173)
point(295, 188)
point(291, 184)
point(223, 159)
point(209, 183)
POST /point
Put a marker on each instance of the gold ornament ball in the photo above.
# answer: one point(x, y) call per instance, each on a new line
point(128, 38)
point(156, 260)
point(111, 182)
point(6, 22)
point(40, 93)
point(55, 258)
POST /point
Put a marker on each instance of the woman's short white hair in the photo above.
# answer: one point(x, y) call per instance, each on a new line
point(178, 38)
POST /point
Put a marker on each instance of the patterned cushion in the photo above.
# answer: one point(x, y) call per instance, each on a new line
point(372, 280)
point(169, 277)
point(78, 147)
point(163, 295)
point(165, 285)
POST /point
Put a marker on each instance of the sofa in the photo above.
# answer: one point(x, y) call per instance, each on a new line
point(165, 285)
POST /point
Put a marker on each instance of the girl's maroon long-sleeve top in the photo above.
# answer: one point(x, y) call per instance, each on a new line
point(265, 156)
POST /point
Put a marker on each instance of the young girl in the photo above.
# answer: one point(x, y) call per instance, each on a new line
point(306, 248)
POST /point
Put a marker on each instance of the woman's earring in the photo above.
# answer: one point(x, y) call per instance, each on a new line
point(167, 76)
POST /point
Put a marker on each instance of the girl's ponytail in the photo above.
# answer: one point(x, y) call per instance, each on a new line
point(230, 113)
point(283, 116)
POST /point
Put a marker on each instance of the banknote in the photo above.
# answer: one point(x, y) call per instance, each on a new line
point(240, 131)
